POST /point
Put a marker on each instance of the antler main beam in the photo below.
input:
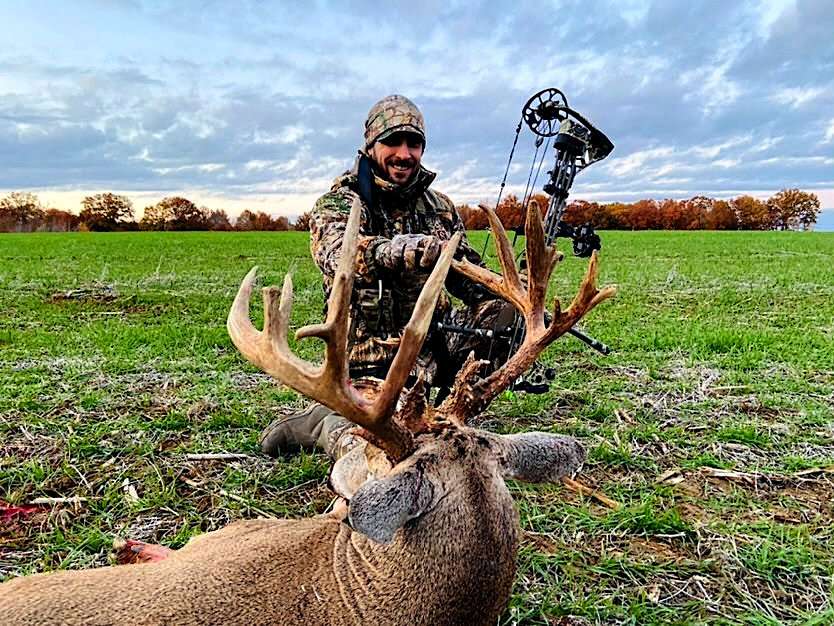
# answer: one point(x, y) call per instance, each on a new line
point(329, 383)
point(529, 302)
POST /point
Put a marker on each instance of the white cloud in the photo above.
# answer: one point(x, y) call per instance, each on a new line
point(710, 152)
point(632, 163)
point(769, 11)
point(258, 165)
point(765, 144)
point(797, 96)
point(829, 132)
point(287, 135)
point(25, 130)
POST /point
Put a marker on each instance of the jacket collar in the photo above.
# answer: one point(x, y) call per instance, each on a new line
point(392, 192)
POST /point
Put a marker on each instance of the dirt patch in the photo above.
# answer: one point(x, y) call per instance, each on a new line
point(644, 549)
point(809, 499)
point(24, 446)
point(153, 527)
point(253, 380)
point(540, 542)
point(97, 292)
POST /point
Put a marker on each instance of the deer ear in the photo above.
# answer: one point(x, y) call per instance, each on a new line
point(380, 507)
point(538, 457)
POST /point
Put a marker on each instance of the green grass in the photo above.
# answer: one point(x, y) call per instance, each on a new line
point(723, 358)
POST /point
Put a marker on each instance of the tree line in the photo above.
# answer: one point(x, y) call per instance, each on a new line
point(790, 209)
point(24, 212)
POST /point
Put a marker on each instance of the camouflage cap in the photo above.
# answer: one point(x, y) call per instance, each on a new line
point(390, 115)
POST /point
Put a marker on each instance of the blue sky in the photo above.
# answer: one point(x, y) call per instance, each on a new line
point(261, 104)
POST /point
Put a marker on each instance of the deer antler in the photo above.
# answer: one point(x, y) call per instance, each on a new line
point(470, 398)
point(330, 383)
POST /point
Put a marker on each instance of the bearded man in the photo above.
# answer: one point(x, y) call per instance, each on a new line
point(404, 226)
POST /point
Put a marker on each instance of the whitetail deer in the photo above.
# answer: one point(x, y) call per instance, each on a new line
point(429, 534)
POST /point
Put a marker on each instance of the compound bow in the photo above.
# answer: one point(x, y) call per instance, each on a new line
point(577, 144)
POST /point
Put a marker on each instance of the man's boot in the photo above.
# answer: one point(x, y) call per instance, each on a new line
point(314, 427)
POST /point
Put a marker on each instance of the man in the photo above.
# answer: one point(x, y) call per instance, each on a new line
point(404, 226)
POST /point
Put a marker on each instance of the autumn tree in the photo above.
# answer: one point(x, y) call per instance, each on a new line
point(245, 221)
point(674, 215)
point(302, 222)
point(790, 208)
point(696, 212)
point(640, 215)
point(20, 211)
point(751, 213)
point(721, 216)
point(217, 219)
point(510, 211)
point(154, 218)
point(473, 218)
point(105, 211)
point(793, 209)
point(174, 213)
point(185, 215)
point(281, 223)
point(56, 220)
point(582, 212)
point(263, 221)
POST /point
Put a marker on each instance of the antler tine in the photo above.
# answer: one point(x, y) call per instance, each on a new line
point(585, 299)
point(330, 383)
point(508, 284)
point(541, 261)
point(511, 281)
point(334, 331)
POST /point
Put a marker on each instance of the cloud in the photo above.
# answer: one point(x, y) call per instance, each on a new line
point(829, 132)
point(797, 96)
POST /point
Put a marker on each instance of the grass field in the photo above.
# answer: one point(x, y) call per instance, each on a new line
point(711, 422)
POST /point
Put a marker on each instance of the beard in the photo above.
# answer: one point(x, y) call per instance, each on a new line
point(399, 171)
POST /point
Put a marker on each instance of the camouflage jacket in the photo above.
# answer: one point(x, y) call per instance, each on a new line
point(383, 300)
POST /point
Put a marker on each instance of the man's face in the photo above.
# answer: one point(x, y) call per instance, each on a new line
point(398, 156)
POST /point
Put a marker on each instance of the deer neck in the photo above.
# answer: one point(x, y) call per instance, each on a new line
point(449, 567)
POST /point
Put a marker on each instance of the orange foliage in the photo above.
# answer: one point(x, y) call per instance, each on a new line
point(751, 213)
point(788, 209)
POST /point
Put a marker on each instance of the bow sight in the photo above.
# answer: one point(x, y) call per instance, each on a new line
point(577, 144)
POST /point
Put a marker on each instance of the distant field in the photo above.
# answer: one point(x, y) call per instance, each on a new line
point(712, 422)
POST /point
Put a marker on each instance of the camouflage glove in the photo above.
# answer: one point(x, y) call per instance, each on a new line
point(408, 252)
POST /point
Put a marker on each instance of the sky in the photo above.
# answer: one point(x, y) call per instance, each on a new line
point(261, 104)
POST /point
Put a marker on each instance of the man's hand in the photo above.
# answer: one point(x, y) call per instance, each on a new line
point(409, 252)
